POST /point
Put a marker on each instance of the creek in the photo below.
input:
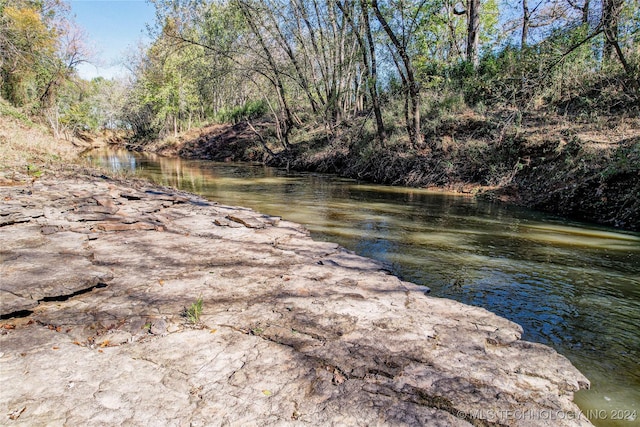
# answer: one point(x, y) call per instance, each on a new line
point(570, 285)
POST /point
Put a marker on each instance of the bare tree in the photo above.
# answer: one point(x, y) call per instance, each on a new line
point(408, 76)
point(582, 8)
point(368, 52)
point(275, 74)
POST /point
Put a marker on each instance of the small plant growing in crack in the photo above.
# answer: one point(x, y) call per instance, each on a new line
point(192, 314)
point(34, 171)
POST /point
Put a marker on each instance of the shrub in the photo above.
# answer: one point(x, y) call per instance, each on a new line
point(250, 110)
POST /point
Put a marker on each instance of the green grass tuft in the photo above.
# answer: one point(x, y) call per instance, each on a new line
point(193, 313)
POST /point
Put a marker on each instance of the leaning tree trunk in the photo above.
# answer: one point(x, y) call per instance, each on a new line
point(585, 12)
point(368, 58)
point(412, 86)
point(277, 80)
point(610, 19)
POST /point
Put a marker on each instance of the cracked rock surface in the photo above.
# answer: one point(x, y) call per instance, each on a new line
point(96, 277)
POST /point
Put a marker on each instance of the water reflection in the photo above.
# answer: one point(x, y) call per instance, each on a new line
point(573, 286)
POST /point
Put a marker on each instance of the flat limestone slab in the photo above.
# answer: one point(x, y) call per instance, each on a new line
point(96, 278)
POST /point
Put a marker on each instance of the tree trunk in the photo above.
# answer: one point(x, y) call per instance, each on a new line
point(526, 19)
point(405, 90)
point(610, 18)
point(411, 85)
point(473, 32)
point(373, 72)
point(277, 81)
point(286, 46)
point(369, 60)
point(585, 12)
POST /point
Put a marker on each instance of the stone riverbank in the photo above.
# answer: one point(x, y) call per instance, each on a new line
point(96, 275)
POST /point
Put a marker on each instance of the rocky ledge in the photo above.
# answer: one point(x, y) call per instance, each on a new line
point(98, 276)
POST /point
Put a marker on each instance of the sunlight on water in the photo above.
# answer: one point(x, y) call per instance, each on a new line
point(587, 241)
point(573, 286)
point(440, 239)
point(223, 181)
point(596, 234)
point(400, 190)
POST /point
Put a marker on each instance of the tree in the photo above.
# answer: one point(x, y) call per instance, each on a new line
point(406, 70)
point(273, 72)
point(40, 49)
point(323, 63)
point(473, 32)
point(372, 70)
point(526, 22)
point(27, 42)
point(583, 9)
point(610, 16)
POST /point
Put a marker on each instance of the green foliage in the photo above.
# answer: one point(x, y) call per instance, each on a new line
point(441, 36)
point(34, 171)
point(8, 110)
point(180, 84)
point(449, 102)
point(498, 79)
point(39, 48)
point(79, 117)
point(192, 314)
point(626, 160)
point(250, 110)
point(308, 63)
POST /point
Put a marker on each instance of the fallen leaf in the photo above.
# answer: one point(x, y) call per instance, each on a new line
point(55, 348)
point(7, 326)
point(266, 392)
point(105, 343)
point(15, 414)
point(213, 331)
point(161, 282)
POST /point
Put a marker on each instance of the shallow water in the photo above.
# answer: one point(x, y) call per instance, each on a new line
point(570, 285)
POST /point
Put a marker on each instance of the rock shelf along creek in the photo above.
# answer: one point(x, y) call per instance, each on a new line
point(96, 275)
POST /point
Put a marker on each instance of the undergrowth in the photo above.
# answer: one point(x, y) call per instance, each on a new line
point(27, 148)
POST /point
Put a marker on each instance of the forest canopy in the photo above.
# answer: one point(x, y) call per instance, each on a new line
point(326, 63)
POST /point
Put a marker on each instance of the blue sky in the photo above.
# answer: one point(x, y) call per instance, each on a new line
point(112, 27)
